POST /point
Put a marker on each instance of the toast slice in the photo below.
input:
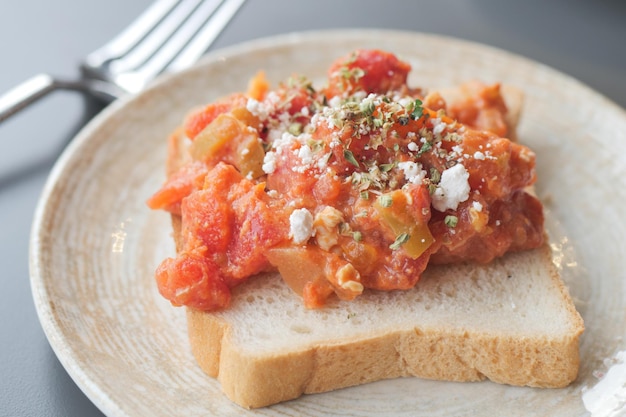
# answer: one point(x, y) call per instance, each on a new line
point(512, 322)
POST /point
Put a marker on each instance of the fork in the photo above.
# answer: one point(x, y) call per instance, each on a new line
point(168, 36)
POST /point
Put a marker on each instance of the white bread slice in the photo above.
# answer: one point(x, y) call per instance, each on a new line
point(511, 321)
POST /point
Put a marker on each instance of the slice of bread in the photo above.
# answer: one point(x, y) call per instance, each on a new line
point(511, 321)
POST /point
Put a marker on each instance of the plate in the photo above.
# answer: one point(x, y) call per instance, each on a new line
point(95, 244)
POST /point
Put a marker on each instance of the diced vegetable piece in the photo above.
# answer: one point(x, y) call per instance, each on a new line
point(258, 86)
point(297, 265)
point(212, 140)
point(249, 157)
point(200, 118)
point(360, 254)
point(242, 114)
point(250, 153)
point(411, 236)
point(229, 139)
point(197, 120)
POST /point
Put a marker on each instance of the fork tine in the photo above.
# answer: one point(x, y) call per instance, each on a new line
point(204, 19)
point(199, 26)
point(132, 35)
point(206, 36)
point(177, 19)
point(197, 33)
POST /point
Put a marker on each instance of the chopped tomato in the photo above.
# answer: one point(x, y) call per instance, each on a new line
point(482, 107)
point(197, 120)
point(182, 183)
point(190, 280)
point(372, 71)
point(359, 185)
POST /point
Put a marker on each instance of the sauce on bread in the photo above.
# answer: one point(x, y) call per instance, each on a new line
point(357, 185)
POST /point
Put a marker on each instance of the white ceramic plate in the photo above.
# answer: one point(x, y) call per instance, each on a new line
point(95, 244)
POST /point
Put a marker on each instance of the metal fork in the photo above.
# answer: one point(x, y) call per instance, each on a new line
point(170, 35)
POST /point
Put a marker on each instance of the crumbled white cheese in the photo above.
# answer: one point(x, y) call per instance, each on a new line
point(413, 147)
point(305, 154)
point(334, 142)
point(274, 134)
point(477, 206)
point(438, 126)
point(300, 225)
point(259, 109)
point(322, 162)
point(269, 162)
point(479, 155)
point(331, 123)
point(253, 106)
point(453, 188)
point(413, 171)
point(335, 102)
point(315, 119)
point(272, 98)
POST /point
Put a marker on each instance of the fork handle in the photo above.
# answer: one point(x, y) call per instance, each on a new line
point(25, 94)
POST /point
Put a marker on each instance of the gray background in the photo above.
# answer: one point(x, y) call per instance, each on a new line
point(583, 38)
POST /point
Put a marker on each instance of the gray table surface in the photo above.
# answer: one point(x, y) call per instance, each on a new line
point(583, 38)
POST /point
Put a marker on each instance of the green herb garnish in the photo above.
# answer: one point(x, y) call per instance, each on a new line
point(295, 128)
point(451, 221)
point(426, 146)
point(387, 167)
point(350, 157)
point(435, 176)
point(401, 239)
point(415, 109)
point(385, 201)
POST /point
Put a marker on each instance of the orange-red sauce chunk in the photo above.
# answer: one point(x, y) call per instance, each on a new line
point(357, 185)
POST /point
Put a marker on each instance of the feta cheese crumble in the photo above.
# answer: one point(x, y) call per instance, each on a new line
point(413, 171)
point(269, 162)
point(453, 188)
point(479, 155)
point(412, 146)
point(300, 225)
point(438, 126)
point(305, 154)
point(258, 109)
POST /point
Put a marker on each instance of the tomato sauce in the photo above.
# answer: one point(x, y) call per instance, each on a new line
point(357, 185)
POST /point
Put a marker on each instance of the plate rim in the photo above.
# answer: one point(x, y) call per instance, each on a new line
point(39, 287)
